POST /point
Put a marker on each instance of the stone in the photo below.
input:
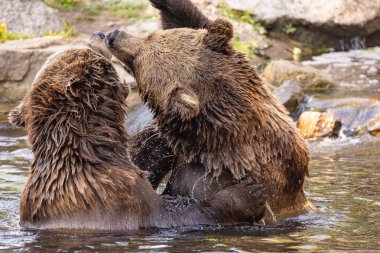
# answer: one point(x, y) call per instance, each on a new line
point(373, 126)
point(29, 17)
point(317, 125)
point(290, 94)
point(356, 69)
point(358, 115)
point(143, 28)
point(21, 60)
point(279, 71)
point(340, 19)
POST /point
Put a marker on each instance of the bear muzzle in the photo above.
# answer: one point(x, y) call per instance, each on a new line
point(111, 37)
point(98, 45)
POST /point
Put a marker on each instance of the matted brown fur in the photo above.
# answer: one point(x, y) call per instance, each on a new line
point(214, 111)
point(81, 176)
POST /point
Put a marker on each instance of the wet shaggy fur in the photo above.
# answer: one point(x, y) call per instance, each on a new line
point(81, 176)
point(221, 121)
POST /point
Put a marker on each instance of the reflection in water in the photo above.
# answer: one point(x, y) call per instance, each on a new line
point(343, 184)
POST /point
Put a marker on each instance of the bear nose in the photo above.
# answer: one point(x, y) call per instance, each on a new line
point(112, 37)
point(99, 35)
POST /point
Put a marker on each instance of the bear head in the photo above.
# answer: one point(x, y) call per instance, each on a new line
point(75, 92)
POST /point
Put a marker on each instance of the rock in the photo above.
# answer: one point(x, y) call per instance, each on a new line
point(290, 94)
point(143, 28)
point(279, 71)
point(339, 19)
point(317, 125)
point(373, 126)
point(357, 69)
point(357, 115)
point(21, 60)
point(29, 17)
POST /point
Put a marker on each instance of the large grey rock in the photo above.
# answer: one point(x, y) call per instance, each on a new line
point(340, 18)
point(30, 17)
point(21, 60)
point(356, 69)
point(143, 28)
point(279, 71)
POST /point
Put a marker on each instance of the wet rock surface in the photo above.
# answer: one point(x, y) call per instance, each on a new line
point(318, 125)
point(279, 71)
point(291, 95)
point(29, 17)
point(357, 115)
point(355, 99)
point(358, 69)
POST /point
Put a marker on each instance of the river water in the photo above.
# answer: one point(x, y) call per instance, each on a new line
point(343, 184)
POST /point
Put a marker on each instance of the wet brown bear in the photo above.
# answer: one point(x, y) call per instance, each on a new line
point(81, 176)
point(218, 117)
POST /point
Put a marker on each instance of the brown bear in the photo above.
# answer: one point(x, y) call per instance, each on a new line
point(81, 176)
point(218, 117)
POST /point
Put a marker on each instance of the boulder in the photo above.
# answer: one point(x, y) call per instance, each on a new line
point(357, 115)
point(339, 19)
point(290, 94)
point(317, 125)
point(279, 71)
point(356, 69)
point(29, 17)
point(20, 61)
point(143, 28)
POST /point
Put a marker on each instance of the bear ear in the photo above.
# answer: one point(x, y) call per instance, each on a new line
point(16, 118)
point(184, 102)
point(219, 34)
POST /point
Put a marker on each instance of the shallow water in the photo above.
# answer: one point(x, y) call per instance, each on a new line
point(343, 185)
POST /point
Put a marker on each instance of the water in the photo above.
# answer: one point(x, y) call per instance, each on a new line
point(343, 184)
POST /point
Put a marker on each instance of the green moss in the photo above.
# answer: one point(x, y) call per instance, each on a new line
point(241, 16)
point(245, 47)
point(370, 49)
point(67, 31)
point(68, 5)
point(131, 11)
point(289, 29)
point(5, 35)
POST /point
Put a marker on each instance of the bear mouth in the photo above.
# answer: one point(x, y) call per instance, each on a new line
point(97, 43)
point(111, 37)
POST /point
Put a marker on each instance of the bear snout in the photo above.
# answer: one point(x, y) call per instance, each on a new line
point(100, 35)
point(111, 37)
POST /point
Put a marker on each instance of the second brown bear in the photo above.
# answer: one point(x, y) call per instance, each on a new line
point(211, 108)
